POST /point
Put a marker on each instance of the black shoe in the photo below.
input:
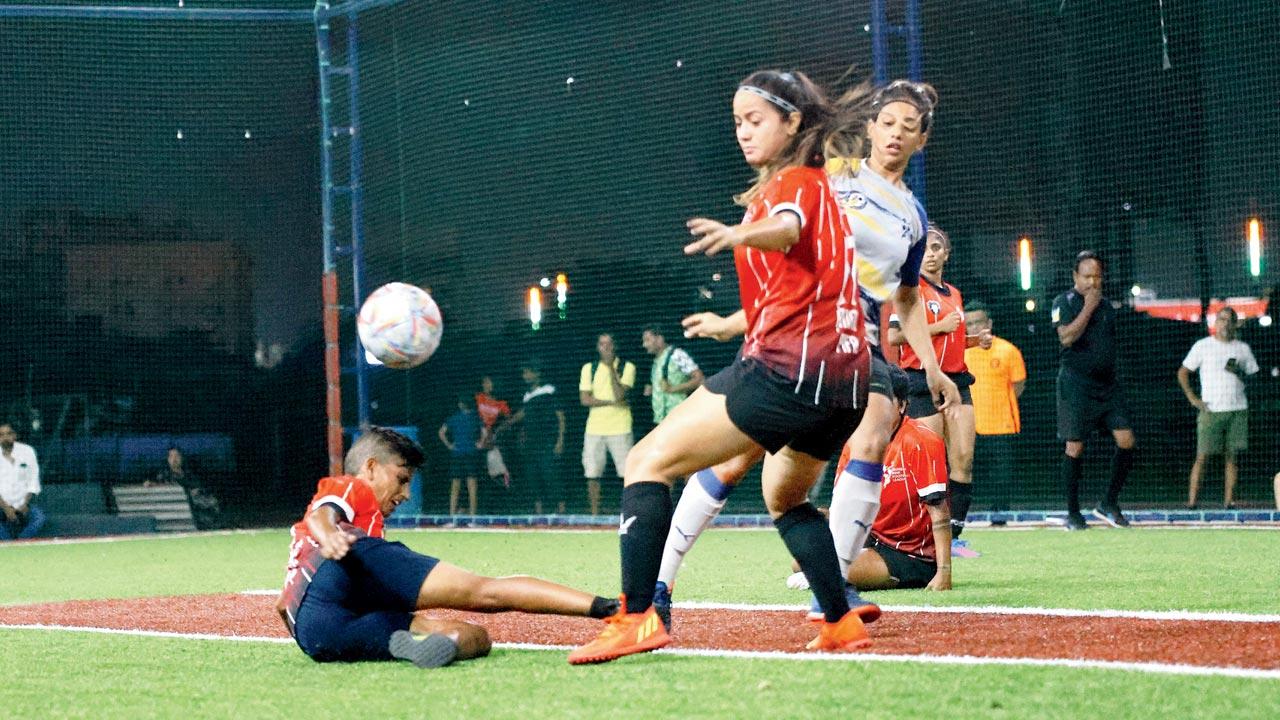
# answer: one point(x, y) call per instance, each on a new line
point(1111, 515)
point(662, 604)
point(1075, 521)
point(425, 651)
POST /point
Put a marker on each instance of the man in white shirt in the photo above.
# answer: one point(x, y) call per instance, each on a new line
point(19, 483)
point(1223, 425)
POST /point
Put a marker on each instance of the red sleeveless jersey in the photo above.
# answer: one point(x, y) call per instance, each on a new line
point(940, 301)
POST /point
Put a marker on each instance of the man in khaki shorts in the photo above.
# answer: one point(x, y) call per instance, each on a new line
point(1223, 426)
point(603, 386)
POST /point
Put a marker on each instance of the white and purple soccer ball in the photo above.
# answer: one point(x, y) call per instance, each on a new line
point(399, 325)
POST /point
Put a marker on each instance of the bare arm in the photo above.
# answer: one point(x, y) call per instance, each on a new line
point(776, 232)
point(914, 330)
point(560, 432)
point(1068, 334)
point(940, 514)
point(1184, 380)
point(334, 541)
point(695, 380)
point(444, 436)
point(711, 325)
point(619, 390)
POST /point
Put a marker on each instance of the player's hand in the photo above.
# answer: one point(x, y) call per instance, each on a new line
point(984, 339)
point(708, 325)
point(945, 393)
point(941, 581)
point(949, 322)
point(648, 390)
point(10, 514)
point(334, 545)
point(665, 385)
point(712, 237)
point(1197, 403)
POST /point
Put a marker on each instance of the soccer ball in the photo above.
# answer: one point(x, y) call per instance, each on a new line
point(399, 325)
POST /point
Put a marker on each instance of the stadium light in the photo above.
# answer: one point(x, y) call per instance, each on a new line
point(535, 307)
point(562, 293)
point(1024, 262)
point(1030, 305)
point(1254, 233)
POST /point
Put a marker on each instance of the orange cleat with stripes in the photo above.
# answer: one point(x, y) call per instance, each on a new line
point(624, 634)
point(847, 634)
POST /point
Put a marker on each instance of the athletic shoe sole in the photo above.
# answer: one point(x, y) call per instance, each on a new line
point(654, 642)
point(433, 651)
point(1107, 519)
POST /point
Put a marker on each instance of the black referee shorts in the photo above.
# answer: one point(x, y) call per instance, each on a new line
point(1085, 405)
point(765, 406)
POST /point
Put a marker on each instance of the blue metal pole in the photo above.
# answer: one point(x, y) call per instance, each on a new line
point(329, 284)
point(879, 44)
point(326, 138)
point(915, 71)
point(357, 208)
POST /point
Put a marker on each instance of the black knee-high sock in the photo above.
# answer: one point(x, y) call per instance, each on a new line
point(961, 496)
point(1121, 464)
point(646, 519)
point(1072, 470)
point(808, 538)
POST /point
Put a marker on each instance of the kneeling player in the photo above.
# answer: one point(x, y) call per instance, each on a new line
point(909, 545)
point(351, 595)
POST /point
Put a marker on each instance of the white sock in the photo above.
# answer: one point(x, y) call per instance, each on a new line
point(855, 500)
point(702, 500)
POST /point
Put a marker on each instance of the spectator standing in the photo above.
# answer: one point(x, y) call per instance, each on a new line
point(461, 434)
point(1222, 428)
point(494, 416)
point(602, 386)
point(541, 420)
point(19, 484)
point(1000, 375)
point(674, 374)
point(1089, 394)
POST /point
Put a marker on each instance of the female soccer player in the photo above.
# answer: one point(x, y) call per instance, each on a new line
point(797, 389)
point(889, 229)
point(944, 312)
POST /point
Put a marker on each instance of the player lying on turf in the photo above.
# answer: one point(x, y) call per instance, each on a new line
point(910, 542)
point(351, 595)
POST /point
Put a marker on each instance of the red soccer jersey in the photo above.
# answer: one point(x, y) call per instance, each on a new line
point(361, 515)
point(915, 475)
point(803, 317)
point(940, 301)
point(490, 409)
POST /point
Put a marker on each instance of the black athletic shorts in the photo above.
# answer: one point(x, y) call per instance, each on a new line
point(765, 406)
point(909, 570)
point(920, 400)
point(881, 383)
point(1085, 405)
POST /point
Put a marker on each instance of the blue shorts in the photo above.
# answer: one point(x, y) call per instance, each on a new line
point(354, 604)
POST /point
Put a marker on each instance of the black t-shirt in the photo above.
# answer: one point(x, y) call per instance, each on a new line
point(541, 427)
point(1093, 354)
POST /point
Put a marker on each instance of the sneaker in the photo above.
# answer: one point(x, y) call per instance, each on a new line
point(1075, 521)
point(623, 634)
point(662, 604)
point(797, 581)
point(425, 651)
point(868, 612)
point(1111, 515)
point(848, 634)
point(960, 548)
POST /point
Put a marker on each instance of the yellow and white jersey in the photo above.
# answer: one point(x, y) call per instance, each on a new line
point(889, 227)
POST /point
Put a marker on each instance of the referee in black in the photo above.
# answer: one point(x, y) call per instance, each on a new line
point(1089, 395)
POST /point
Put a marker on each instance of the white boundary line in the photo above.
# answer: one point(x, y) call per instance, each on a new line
point(970, 660)
point(1210, 615)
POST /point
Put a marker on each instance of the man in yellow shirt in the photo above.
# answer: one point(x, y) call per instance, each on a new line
point(603, 386)
point(1000, 377)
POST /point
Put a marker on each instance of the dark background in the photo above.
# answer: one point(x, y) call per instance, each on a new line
point(484, 171)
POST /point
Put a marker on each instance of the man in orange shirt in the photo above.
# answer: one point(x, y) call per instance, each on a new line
point(999, 378)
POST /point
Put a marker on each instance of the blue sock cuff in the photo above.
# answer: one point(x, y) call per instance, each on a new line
point(709, 482)
point(871, 472)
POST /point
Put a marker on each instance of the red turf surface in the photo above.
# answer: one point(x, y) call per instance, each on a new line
point(1213, 644)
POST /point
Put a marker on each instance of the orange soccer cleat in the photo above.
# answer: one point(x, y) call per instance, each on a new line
point(624, 634)
point(847, 634)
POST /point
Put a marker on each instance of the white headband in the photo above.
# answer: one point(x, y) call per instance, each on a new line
point(770, 97)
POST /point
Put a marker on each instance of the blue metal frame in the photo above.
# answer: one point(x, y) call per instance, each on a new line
point(101, 12)
point(881, 33)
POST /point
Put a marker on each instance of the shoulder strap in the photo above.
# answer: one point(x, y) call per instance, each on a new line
point(666, 364)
